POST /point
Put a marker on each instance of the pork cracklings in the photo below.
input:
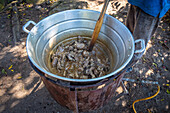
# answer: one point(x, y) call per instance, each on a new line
point(72, 59)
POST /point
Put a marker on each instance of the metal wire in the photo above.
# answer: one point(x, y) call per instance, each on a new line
point(77, 109)
point(138, 81)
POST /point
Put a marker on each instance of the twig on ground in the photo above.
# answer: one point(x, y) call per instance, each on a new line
point(9, 5)
point(15, 24)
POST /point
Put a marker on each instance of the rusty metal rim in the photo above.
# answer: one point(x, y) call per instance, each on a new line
point(75, 86)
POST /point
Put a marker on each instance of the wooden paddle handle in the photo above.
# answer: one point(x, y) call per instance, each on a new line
point(98, 25)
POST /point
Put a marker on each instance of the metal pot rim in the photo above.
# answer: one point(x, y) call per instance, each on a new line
point(81, 80)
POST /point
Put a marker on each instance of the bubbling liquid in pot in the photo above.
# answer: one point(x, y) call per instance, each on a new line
point(71, 59)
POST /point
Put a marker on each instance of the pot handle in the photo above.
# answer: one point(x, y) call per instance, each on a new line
point(27, 24)
point(142, 43)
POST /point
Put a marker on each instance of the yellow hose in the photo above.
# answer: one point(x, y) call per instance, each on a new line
point(146, 98)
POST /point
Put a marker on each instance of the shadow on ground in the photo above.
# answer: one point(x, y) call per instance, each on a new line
point(22, 91)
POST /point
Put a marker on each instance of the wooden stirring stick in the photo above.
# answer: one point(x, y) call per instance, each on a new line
point(98, 25)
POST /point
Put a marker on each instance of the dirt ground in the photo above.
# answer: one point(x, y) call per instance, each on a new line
point(22, 91)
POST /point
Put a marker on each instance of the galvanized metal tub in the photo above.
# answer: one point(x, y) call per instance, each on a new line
point(79, 94)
